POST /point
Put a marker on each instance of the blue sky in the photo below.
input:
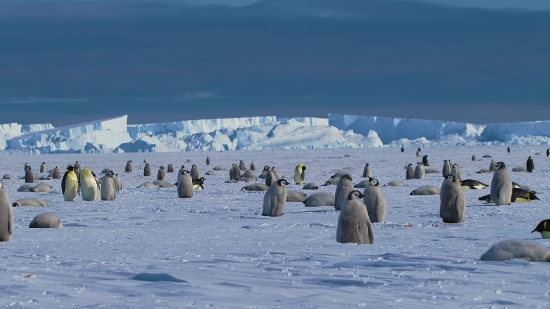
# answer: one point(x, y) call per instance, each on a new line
point(67, 62)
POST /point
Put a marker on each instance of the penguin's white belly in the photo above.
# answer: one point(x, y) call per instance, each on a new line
point(89, 190)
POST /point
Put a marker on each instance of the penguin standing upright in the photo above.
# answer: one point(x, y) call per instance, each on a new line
point(492, 166)
point(118, 183)
point(354, 225)
point(147, 170)
point(343, 188)
point(425, 160)
point(128, 168)
point(452, 206)
point(275, 173)
point(69, 184)
point(207, 160)
point(269, 178)
point(185, 185)
point(235, 172)
point(56, 173)
point(508, 149)
point(455, 170)
point(375, 201)
point(419, 171)
point(446, 171)
point(474, 157)
point(402, 148)
point(43, 167)
point(530, 165)
point(161, 174)
point(88, 185)
point(501, 186)
point(300, 174)
point(252, 166)
point(195, 174)
point(548, 152)
point(108, 190)
point(29, 176)
point(275, 198)
point(367, 172)
point(242, 166)
point(418, 152)
point(170, 168)
point(76, 165)
point(6, 215)
point(409, 173)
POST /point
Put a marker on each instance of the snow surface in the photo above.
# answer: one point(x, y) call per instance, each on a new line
point(149, 249)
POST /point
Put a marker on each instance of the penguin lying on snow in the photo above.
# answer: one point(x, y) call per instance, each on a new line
point(543, 228)
point(518, 196)
point(517, 249)
point(472, 184)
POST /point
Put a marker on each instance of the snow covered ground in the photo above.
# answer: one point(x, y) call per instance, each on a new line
point(226, 255)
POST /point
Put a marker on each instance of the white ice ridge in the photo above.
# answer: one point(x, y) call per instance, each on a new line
point(11, 130)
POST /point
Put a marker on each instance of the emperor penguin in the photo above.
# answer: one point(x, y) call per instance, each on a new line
point(354, 225)
point(419, 171)
point(76, 165)
point(77, 171)
point(128, 168)
point(29, 176)
point(425, 160)
point(6, 215)
point(170, 168)
point(56, 173)
point(269, 178)
point(455, 170)
point(108, 190)
point(409, 174)
point(367, 171)
point(446, 171)
point(474, 157)
point(543, 228)
point(242, 167)
point(275, 173)
point(118, 183)
point(235, 172)
point(147, 170)
point(161, 174)
point(264, 172)
point(530, 165)
point(275, 198)
point(43, 167)
point(517, 249)
point(501, 186)
point(492, 166)
point(88, 185)
point(69, 184)
point(46, 220)
point(375, 201)
point(343, 188)
point(195, 174)
point(508, 149)
point(402, 148)
point(418, 152)
point(252, 166)
point(26, 165)
point(185, 185)
point(548, 152)
point(300, 174)
point(207, 160)
point(453, 201)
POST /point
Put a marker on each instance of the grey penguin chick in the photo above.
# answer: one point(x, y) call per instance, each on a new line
point(367, 172)
point(492, 166)
point(235, 172)
point(195, 174)
point(128, 167)
point(30, 202)
point(354, 225)
point(161, 174)
point(501, 186)
point(394, 184)
point(118, 183)
point(29, 176)
point(517, 249)
point(419, 171)
point(269, 178)
point(409, 173)
point(275, 173)
point(26, 188)
point(340, 174)
point(275, 198)
point(147, 170)
point(46, 220)
point(332, 181)
point(375, 201)
point(446, 171)
point(343, 188)
point(362, 184)
point(41, 187)
point(252, 166)
point(43, 167)
point(425, 190)
point(207, 160)
point(242, 167)
point(146, 185)
point(56, 173)
point(6, 215)
point(310, 186)
point(249, 174)
point(295, 196)
point(320, 199)
point(185, 185)
point(474, 157)
point(170, 168)
point(108, 190)
point(255, 187)
point(452, 207)
point(455, 170)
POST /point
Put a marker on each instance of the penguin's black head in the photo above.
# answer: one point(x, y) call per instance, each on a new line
point(162, 167)
point(542, 226)
point(266, 168)
point(346, 176)
point(425, 157)
point(43, 162)
point(183, 172)
point(355, 193)
point(146, 164)
point(282, 182)
point(303, 167)
point(532, 196)
point(193, 166)
point(501, 165)
point(70, 168)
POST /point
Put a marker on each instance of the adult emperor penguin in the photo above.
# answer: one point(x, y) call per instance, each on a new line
point(147, 170)
point(453, 201)
point(508, 149)
point(29, 176)
point(548, 152)
point(517, 249)
point(195, 174)
point(207, 160)
point(300, 174)
point(446, 171)
point(455, 170)
point(530, 164)
point(56, 173)
point(69, 184)
point(367, 172)
point(161, 174)
point(88, 185)
point(275, 198)
point(128, 168)
point(354, 225)
point(6, 215)
point(235, 172)
point(409, 174)
point(185, 185)
point(343, 188)
point(501, 186)
point(108, 190)
point(543, 228)
point(43, 167)
point(242, 167)
point(375, 201)
point(252, 166)
point(419, 171)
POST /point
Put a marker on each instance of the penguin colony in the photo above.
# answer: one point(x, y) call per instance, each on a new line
point(358, 210)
